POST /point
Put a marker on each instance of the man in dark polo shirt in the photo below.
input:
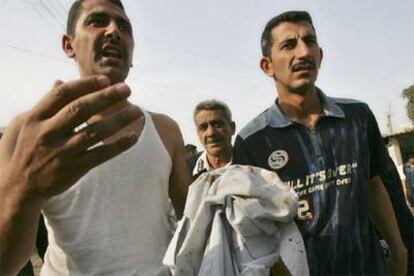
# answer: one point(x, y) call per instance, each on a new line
point(329, 150)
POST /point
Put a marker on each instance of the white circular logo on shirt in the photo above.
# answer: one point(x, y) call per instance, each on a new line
point(278, 159)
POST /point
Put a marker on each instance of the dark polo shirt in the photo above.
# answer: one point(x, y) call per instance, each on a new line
point(330, 168)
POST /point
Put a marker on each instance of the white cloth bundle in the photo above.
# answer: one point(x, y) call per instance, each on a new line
point(237, 220)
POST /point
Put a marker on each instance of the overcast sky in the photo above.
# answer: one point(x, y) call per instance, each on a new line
point(187, 51)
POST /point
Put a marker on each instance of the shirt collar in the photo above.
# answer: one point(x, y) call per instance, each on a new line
point(203, 165)
point(277, 119)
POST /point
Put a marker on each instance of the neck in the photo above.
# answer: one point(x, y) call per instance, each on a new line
point(303, 107)
point(219, 161)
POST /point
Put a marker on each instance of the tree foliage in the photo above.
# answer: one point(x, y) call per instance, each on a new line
point(408, 93)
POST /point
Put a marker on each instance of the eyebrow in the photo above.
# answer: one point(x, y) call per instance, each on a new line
point(96, 14)
point(290, 38)
point(309, 35)
point(214, 121)
point(122, 19)
point(287, 39)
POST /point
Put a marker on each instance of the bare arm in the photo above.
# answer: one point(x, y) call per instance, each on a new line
point(180, 177)
point(19, 218)
point(41, 156)
point(382, 214)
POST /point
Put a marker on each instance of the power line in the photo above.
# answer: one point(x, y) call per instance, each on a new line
point(53, 6)
point(169, 87)
point(184, 50)
point(32, 6)
point(52, 14)
point(196, 53)
point(63, 11)
point(140, 79)
point(20, 49)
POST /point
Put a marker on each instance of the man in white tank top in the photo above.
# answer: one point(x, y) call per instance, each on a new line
point(113, 220)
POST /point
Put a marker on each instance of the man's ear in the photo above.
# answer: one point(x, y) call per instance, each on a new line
point(320, 62)
point(233, 128)
point(67, 46)
point(266, 66)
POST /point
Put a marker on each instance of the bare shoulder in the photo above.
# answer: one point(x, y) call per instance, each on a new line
point(168, 130)
point(163, 121)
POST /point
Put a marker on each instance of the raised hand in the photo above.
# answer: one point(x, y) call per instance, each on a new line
point(41, 155)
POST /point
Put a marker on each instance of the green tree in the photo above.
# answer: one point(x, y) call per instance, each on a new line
point(408, 93)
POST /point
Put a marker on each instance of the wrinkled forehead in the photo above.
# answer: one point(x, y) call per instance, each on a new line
point(206, 115)
point(288, 30)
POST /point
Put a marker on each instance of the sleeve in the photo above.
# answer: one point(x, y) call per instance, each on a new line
point(240, 152)
point(377, 150)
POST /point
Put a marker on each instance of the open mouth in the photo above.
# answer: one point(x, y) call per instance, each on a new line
point(111, 52)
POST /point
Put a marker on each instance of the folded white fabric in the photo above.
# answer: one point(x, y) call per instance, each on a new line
point(237, 220)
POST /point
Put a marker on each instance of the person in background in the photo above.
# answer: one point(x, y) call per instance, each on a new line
point(190, 150)
point(409, 180)
point(215, 128)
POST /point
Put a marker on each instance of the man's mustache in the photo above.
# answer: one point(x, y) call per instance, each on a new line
point(308, 64)
point(213, 140)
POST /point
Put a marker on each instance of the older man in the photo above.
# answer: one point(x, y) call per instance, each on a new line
point(215, 129)
point(113, 220)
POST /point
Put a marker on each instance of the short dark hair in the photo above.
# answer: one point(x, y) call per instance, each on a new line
point(213, 104)
point(289, 16)
point(75, 11)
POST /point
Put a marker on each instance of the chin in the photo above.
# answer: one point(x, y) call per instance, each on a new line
point(115, 76)
point(214, 151)
point(115, 73)
point(301, 90)
point(302, 87)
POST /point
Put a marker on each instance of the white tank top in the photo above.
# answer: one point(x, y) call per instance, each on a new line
point(115, 220)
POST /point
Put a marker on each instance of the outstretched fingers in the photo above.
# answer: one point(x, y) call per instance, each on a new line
point(64, 93)
point(102, 129)
point(82, 109)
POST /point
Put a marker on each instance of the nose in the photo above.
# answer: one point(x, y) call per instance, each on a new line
point(302, 50)
point(112, 31)
point(211, 130)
